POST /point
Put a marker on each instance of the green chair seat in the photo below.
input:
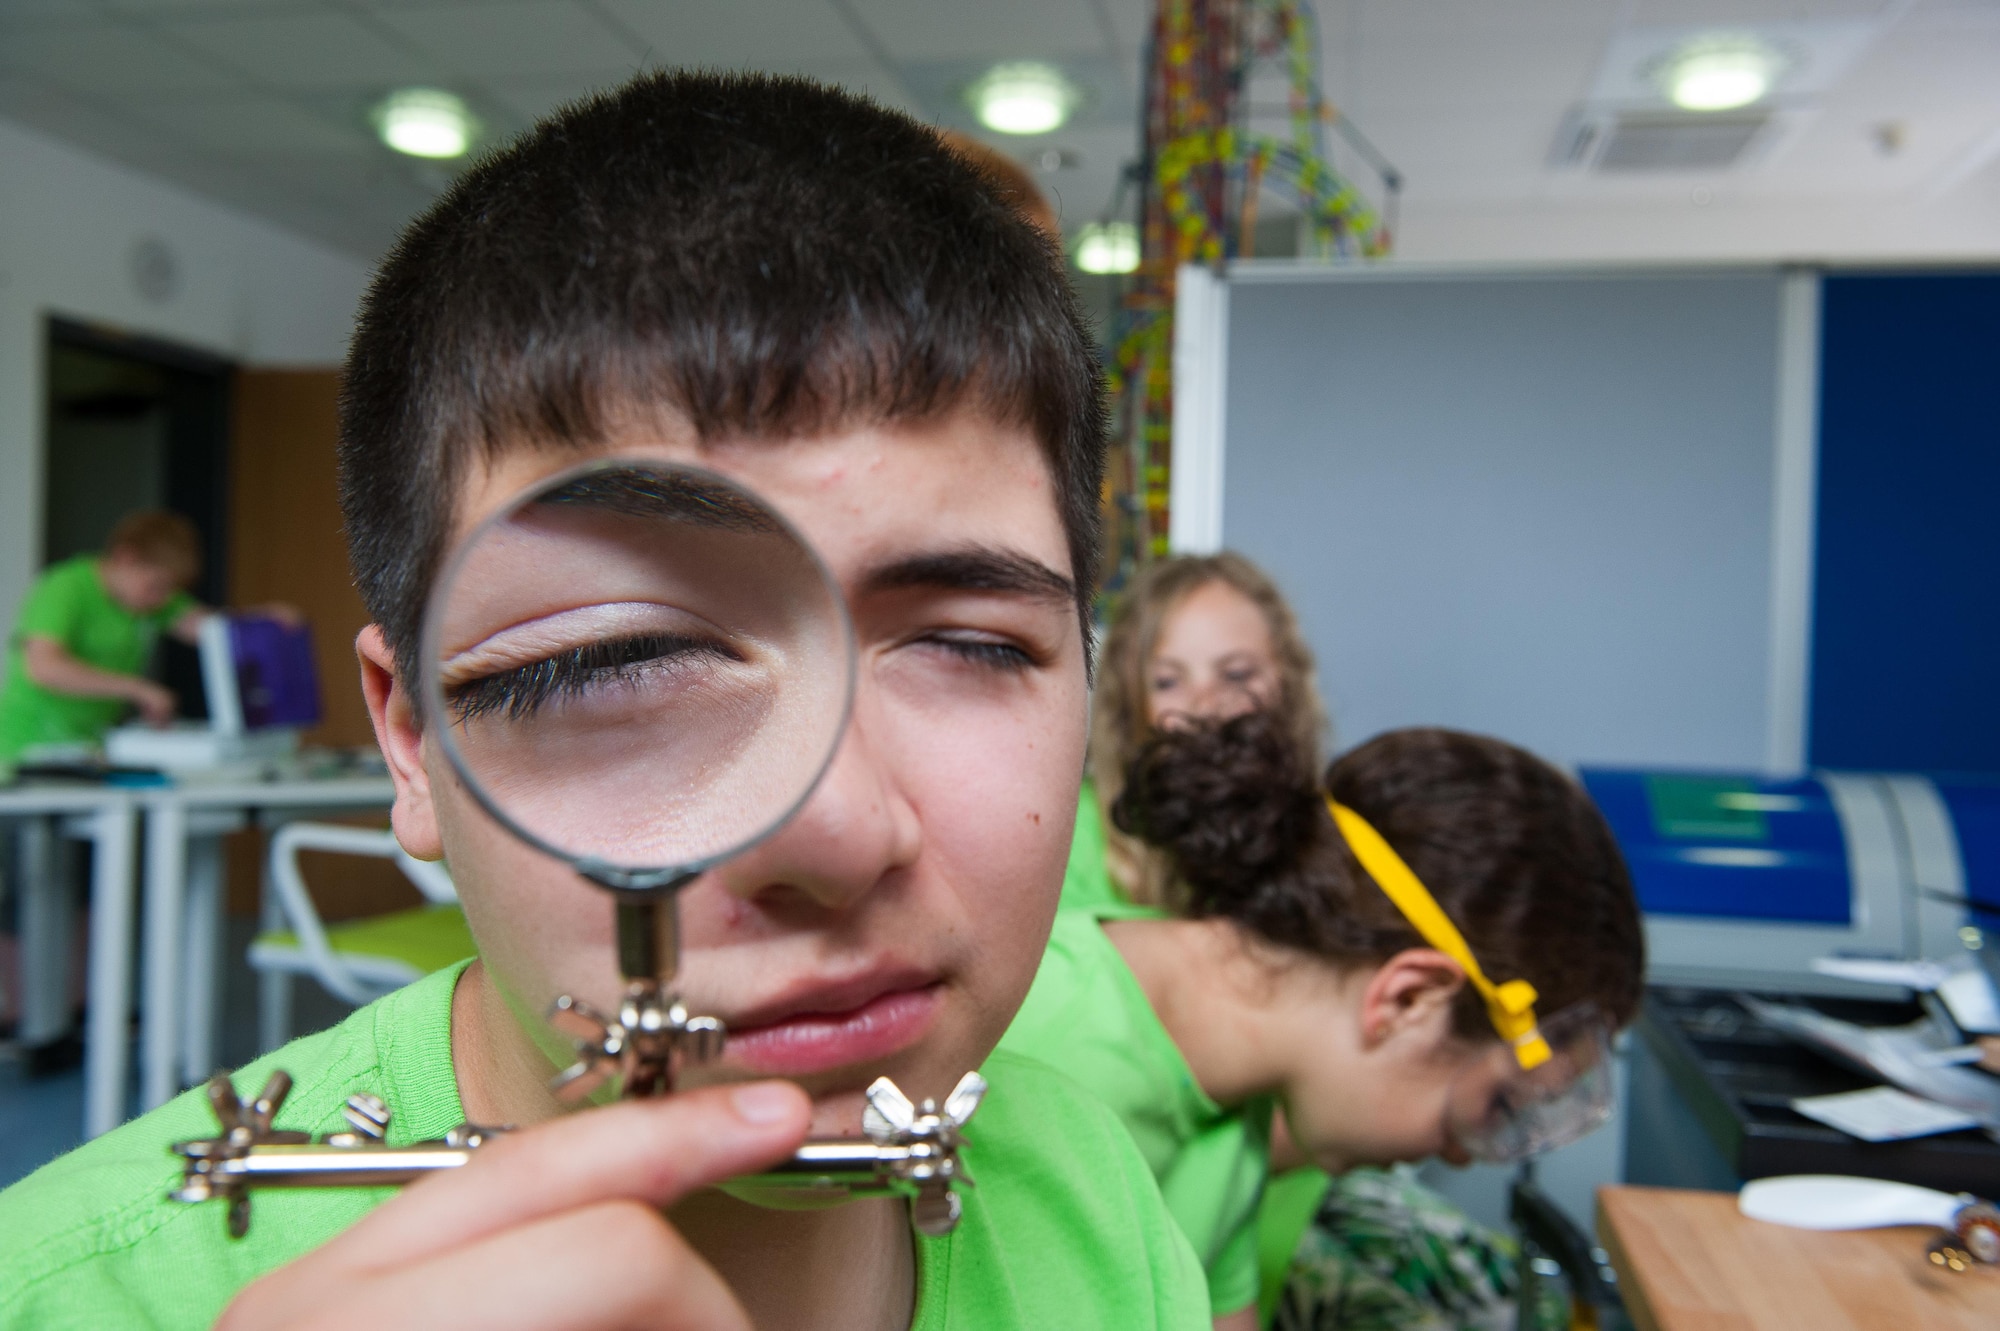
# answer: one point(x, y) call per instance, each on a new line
point(425, 938)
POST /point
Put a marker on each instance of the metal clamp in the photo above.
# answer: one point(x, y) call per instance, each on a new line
point(911, 1150)
point(645, 1045)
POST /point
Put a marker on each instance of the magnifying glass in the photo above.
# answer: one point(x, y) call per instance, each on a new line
point(640, 669)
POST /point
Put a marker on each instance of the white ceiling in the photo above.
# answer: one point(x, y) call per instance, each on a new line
point(263, 103)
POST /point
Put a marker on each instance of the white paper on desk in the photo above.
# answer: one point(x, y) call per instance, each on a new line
point(1888, 1052)
point(1883, 1114)
point(1970, 998)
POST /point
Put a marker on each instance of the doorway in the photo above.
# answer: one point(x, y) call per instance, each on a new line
point(136, 423)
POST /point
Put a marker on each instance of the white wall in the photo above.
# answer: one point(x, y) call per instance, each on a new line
point(1962, 222)
point(68, 224)
point(1533, 503)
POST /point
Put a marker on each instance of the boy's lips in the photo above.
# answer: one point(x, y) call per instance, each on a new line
point(833, 1026)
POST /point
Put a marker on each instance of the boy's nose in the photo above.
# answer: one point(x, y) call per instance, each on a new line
point(855, 827)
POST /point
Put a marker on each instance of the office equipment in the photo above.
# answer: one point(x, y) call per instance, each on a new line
point(261, 687)
point(1749, 881)
point(1713, 1087)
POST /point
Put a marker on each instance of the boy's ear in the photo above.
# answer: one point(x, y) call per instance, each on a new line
point(401, 738)
point(1410, 994)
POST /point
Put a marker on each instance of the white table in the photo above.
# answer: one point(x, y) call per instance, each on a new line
point(184, 911)
point(109, 813)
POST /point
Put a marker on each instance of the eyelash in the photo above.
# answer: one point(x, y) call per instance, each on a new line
point(524, 690)
point(992, 655)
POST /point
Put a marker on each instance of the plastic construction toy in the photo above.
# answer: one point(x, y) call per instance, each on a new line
point(639, 670)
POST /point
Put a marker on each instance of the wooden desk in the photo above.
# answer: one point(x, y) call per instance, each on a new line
point(1687, 1261)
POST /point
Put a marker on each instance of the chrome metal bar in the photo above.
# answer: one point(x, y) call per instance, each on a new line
point(843, 1163)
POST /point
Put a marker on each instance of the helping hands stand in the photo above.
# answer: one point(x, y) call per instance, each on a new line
point(910, 1150)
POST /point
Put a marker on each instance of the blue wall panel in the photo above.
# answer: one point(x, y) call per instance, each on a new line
point(1906, 617)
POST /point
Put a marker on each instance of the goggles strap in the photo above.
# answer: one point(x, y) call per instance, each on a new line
point(1510, 1006)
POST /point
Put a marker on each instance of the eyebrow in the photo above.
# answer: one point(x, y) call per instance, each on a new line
point(973, 569)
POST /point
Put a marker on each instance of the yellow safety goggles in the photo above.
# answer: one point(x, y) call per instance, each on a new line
point(1510, 1006)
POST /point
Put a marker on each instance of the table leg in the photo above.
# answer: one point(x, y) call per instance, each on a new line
point(47, 915)
point(166, 888)
point(203, 978)
point(107, 1044)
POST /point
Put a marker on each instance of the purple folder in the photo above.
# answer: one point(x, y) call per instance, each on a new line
point(275, 676)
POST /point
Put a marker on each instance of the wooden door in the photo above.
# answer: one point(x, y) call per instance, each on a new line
point(285, 544)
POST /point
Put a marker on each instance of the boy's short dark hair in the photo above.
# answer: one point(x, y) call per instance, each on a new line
point(763, 256)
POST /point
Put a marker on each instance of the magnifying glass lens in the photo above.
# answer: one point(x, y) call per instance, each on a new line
point(638, 667)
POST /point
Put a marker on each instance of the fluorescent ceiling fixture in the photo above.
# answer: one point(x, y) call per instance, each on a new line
point(1719, 75)
point(1022, 97)
point(1108, 247)
point(425, 122)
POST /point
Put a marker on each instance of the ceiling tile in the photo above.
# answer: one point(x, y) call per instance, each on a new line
point(1473, 74)
point(315, 49)
point(1737, 12)
point(532, 98)
point(1414, 20)
point(1131, 22)
point(265, 127)
point(515, 39)
point(101, 57)
point(929, 30)
point(737, 33)
point(150, 9)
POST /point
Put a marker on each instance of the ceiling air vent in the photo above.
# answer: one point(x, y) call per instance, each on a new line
point(1651, 141)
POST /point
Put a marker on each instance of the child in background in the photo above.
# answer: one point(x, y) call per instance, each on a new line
point(812, 296)
point(1193, 636)
point(1341, 969)
point(76, 658)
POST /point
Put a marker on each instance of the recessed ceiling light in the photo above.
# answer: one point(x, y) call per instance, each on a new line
point(425, 122)
point(1107, 247)
point(1719, 75)
point(1022, 97)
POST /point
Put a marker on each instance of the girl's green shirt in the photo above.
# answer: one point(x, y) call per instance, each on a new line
point(1065, 1227)
point(1087, 1016)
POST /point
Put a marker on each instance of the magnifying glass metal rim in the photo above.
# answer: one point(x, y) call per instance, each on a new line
point(626, 880)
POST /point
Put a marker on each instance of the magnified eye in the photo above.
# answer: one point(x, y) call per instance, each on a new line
point(632, 661)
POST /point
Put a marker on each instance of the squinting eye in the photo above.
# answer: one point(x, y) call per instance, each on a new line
point(986, 652)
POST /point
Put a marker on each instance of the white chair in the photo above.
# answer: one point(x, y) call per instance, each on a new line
point(357, 961)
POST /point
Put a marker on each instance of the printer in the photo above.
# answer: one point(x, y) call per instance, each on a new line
point(1745, 879)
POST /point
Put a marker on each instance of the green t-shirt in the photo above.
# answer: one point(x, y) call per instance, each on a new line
point(1290, 1202)
point(69, 603)
point(1065, 1227)
point(1087, 882)
point(1087, 1016)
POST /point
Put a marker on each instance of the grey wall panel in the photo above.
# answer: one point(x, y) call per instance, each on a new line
point(1537, 506)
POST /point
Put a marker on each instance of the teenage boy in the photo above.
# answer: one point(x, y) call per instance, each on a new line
point(81, 640)
point(812, 295)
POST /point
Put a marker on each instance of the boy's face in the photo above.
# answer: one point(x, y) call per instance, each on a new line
point(137, 585)
point(894, 924)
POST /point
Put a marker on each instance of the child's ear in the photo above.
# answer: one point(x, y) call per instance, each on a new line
point(1410, 994)
point(401, 738)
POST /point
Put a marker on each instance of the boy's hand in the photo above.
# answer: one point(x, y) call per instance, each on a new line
point(156, 702)
point(559, 1225)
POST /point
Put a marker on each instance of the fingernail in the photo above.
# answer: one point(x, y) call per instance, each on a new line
point(764, 1101)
